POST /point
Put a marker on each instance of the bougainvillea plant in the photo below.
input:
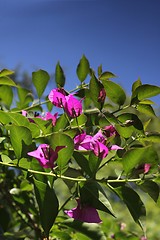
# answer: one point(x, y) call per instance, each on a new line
point(67, 155)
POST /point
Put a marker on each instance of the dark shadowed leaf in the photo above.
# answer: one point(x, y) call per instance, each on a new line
point(93, 194)
point(48, 205)
point(133, 203)
point(83, 68)
point(151, 188)
point(82, 162)
point(59, 76)
point(40, 80)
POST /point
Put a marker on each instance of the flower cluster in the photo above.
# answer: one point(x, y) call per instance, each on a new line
point(69, 103)
point(96, 143)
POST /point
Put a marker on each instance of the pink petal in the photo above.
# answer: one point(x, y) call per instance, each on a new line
point(57, 97)
point(73, 107)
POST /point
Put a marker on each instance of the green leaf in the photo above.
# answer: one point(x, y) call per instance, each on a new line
point(93, 194)
point(94, 163)
point(5, 159)
point(133, 203)
point(7, 81)
point(83, 68)
point(146, 109)
point(106, 76)
point(19, 135)
point(64, 155)
point(82, 162)
point(16, 118)
point(152, 137)
point(137, 156)
point(92, 230)
point(146, 91)
point(6, 72)
point(61, 122)
point(136, 84)
point(130, 124)
point(94, 89)
point(6, 95)
point(79, 121)
point(59, 76)
point(114, 92)
point(48, 205)
point(151, 188)
point(40, 80)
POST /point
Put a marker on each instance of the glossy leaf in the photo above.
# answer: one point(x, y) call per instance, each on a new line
point(48, 205)
point(40, 80)
point(16, 118)
point(83, 68)
point(114, 92)
point(64, 155)
point(79, 121)
point(136, 156)
point(59, 76)
point(19, 135)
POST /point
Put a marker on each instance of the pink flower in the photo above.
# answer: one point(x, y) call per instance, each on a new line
point(99, 137)
point(46, 155)
point(99, 149)
point(110, 131)
point(102, 95)
point(84, 213)
point(73, 107)
point(49, 116)
point(82, 142)
point(147, 167)
point(57, 97)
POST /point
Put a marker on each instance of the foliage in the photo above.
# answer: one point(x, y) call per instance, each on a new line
point(67, 162)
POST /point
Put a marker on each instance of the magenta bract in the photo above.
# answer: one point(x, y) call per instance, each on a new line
point(84, 213)
point(57, 97)
point(46, 155)
point(73, 107)
point(82, 142)
point(49, 116)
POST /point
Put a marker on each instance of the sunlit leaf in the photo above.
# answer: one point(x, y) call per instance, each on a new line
point(59, 76)
point(146, 109)
point(106, 76)
point(64, 155)
point(19, 135)
point(40, 80)
point(6, 95)
point(4, 80)
point(136, 84)
point(146, 91)
point(137, 156)
point(5, 72)
point(114, 92)
point(83, 68)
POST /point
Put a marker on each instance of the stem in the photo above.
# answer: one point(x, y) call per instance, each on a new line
point(103, 180)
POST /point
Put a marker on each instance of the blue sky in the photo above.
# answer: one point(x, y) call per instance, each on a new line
point(122, 35)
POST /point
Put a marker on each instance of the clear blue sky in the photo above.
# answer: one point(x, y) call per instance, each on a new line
point(122, 35)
